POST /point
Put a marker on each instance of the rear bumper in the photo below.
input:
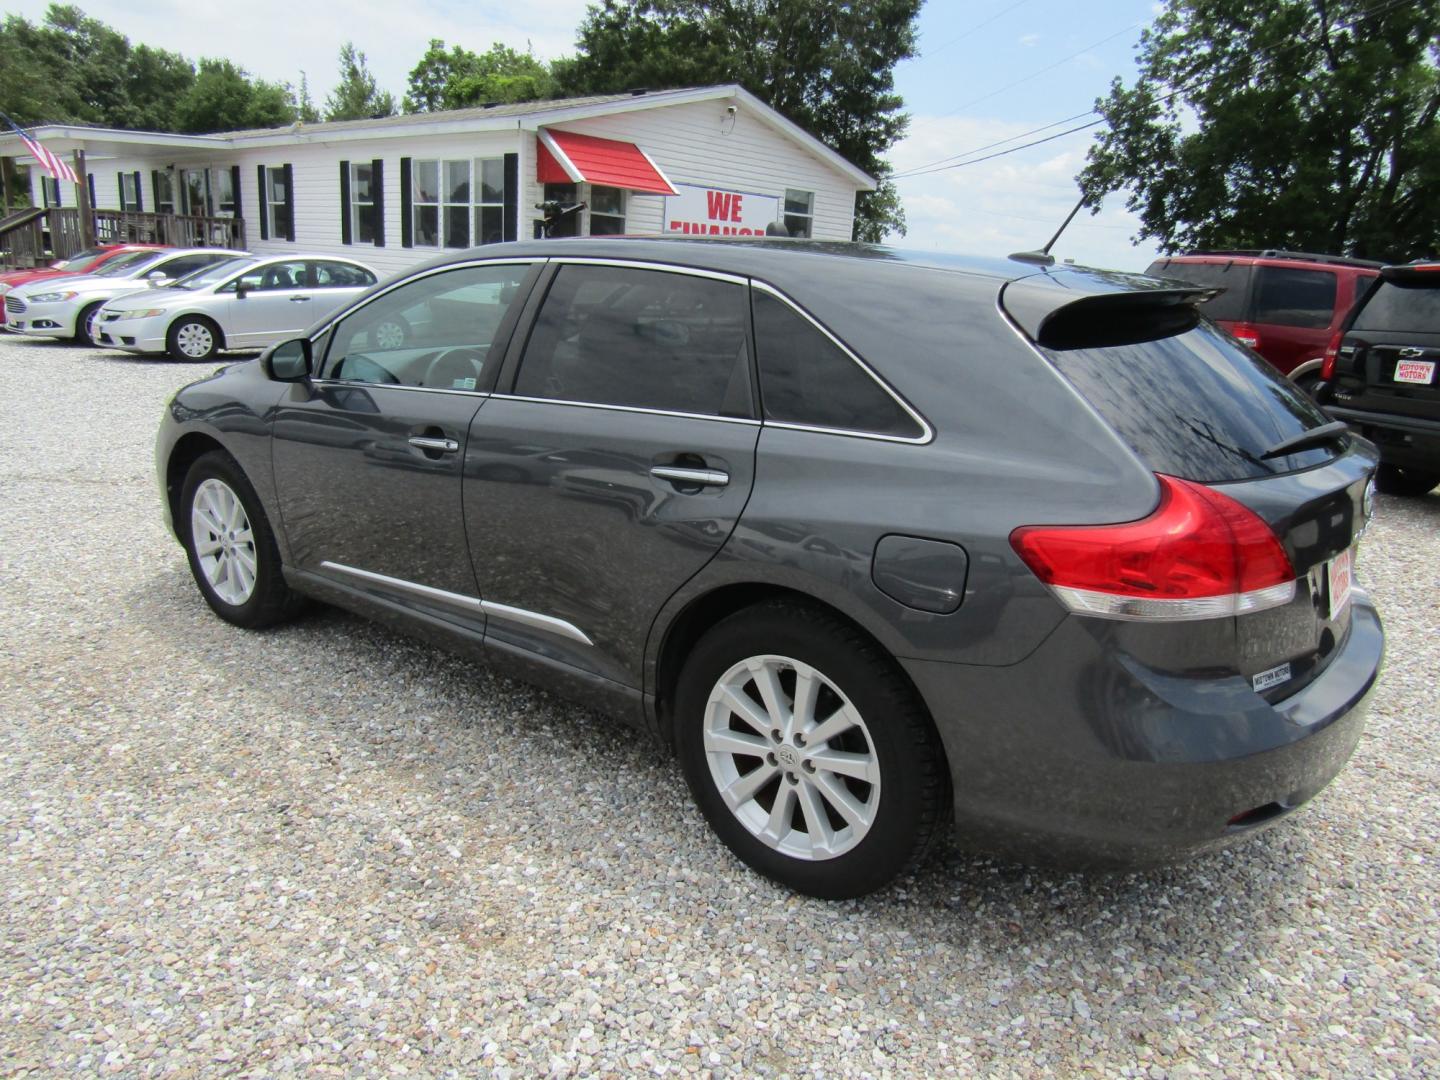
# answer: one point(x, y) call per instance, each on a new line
point(1080, 756)
point(1402, 440)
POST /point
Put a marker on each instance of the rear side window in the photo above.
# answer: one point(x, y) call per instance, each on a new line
point(805, 378)
point(1229, 306)
point(1404, 309)
point(1196, 405)
point(1289, 297)
point(647, 339)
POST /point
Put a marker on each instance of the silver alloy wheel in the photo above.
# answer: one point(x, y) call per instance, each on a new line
point(195, 340)
point(389, 335)
point(91, 321)
point(223, 541)
point(791, 757)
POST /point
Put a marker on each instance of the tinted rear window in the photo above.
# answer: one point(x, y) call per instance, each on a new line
point(1406, 309)
point(1196, 405)
point(1286, 296)
point(1234, 279)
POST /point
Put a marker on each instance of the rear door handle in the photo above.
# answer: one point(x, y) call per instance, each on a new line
point(442, 446)
point(299, 299)
point(680, 475)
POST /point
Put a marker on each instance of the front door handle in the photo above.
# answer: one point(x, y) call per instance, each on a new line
point(299, 299)
point(439, 446)
point(681, 475)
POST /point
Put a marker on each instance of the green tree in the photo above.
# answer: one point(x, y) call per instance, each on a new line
point(224, 98)
point(356, 97)
point(1304, 124)
point(828, 67)
point(155, 82)
point(303, 104)
point(459, 78)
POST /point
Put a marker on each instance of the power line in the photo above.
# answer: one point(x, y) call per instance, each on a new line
point(976, 28)
point(940, 166)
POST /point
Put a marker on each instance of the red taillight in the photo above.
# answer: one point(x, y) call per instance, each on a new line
point(1246, 334)
point(1200, 555)
point(1332, 354)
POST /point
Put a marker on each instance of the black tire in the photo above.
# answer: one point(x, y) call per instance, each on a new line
point(84, 328)
point(1395, 480)
point(184, 334)
point(269, 600)
point(1307, 383)
point(912, 800)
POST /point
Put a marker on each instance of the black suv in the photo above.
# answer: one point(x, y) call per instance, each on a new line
point(1379, 375)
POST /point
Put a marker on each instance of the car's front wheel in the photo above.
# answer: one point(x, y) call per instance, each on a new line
point(87, 325)
point(1394, 480)
point(808, 752)
point(193, 338)
point(232, 550)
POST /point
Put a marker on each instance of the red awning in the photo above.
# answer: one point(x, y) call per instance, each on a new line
point(563, 157)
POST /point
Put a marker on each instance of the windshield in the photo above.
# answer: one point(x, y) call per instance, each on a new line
point(80, 261)
point(1398, 308)
point(217, 272)
point(122, 265)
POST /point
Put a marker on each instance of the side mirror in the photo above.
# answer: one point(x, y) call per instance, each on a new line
point(288, 361)
point(241, 292)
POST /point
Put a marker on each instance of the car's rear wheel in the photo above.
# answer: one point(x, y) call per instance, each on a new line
point(86, 324)
point(193, 338)
point(808, 752)
point(231, 547)
point(1395, 480)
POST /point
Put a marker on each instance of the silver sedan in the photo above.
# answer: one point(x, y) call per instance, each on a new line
point(242, 303)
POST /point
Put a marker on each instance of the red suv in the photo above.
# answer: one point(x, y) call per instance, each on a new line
point(1286, 305)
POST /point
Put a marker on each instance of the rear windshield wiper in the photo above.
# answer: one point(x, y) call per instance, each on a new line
point(1313, 437)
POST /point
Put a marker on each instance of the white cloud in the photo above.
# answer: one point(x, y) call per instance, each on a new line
point(1029, 40)
point(1011, 203)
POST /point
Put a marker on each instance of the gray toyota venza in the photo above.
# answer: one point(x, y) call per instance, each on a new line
point(877, 542)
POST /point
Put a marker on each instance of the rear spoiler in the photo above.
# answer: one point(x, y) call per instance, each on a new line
point(1139, 309)
point(1416, 273)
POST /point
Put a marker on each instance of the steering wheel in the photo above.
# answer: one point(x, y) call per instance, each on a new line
point(466, 364)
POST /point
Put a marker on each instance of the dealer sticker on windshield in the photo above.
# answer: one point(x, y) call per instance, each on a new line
point(1340, 579)
point(1415, 371)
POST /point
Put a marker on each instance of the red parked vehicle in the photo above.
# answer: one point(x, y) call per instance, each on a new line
point(84, 262)
point(1286, 305)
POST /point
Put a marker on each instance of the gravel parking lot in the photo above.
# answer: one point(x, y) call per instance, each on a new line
point(327, 848)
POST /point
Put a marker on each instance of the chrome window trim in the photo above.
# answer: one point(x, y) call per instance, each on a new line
point(504, 612)
point(639, 264)
point(927, 432)
point(746, 420)
point(356, 384)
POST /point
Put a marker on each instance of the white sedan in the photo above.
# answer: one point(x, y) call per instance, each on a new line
point(242, 303)
point(67, 307)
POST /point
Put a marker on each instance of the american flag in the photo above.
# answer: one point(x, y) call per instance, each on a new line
point(51, 163)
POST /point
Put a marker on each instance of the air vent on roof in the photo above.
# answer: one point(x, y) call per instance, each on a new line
point(491, 104)
point(638, 92)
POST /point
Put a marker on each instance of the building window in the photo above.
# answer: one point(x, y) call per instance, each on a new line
point(569, 224)
point(129, 191)
point(222, 186)
point(50, 190)
point(277, 202)
point(458, 203)
point(164, 192)
point(799, 212)
point(362, 202)
point(196, 192)
point(607, 211)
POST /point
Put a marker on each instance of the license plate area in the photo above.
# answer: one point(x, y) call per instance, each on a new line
point(1339, 578)
point(1415, 372)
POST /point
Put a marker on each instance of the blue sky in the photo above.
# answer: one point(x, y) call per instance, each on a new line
point(959, 90)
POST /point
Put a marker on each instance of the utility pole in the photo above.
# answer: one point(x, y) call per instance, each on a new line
point(82, 200)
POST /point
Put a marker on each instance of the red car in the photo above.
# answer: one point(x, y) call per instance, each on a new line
point(84, 262)
point(1285, 305)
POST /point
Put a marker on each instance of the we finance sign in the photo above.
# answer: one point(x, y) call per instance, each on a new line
point(704, 211)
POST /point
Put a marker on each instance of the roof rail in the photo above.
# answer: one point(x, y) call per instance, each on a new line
point(1276, 253)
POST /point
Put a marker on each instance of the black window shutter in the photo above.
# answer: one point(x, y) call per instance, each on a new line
point(139, 206)
point(90, 186)
point(345, 237)
point(407, 226)
point(264, 209)
point(120, 184)
point(56, 192)
point(377, 192)
point(512, 197)
point(235, 191)
point(289, 203)
point(155, 187)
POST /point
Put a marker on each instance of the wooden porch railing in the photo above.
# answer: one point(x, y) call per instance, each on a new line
point(38, 237)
